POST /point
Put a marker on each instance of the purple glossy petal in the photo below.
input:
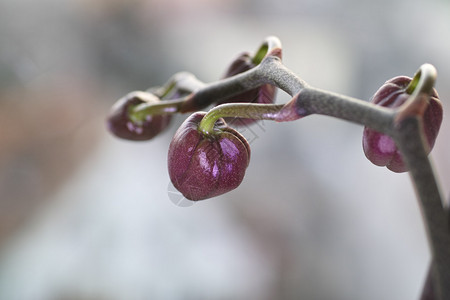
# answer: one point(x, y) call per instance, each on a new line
point(379, 148)
point(202, 167)
point(120, 125)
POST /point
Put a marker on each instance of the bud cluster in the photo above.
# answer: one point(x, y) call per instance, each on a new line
point(209, 158)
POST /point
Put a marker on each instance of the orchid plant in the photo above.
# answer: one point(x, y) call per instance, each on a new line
point(208, 157)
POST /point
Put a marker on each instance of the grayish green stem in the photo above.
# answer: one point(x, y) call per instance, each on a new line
point(406, 131)
point(411, 142)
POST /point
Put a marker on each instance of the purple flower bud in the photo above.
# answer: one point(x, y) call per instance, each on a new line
point(379, 148)
point(202, 167)
point(120, 124)
point(263, 94)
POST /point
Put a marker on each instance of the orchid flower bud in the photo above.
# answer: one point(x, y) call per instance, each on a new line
point(381, 149)
point(264, 94)
point(120, 124)
point(202, 167)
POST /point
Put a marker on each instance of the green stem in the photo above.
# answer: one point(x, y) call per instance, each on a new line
point(170, 87)
point(270, 43)
point(238, 110)
point(181, 84)
point(260, 54)
point(315, 101)
point(424, 79)
point(410, 137)
point(140, 112)
point(420, 88)
point(273, 71)
point(411, 142)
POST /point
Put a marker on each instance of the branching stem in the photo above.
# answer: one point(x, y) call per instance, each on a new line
point(403, 124)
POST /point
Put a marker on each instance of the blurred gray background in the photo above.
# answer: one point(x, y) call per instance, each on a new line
point(86, 216)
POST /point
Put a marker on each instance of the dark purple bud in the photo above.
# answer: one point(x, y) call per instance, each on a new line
point(202, 167)
point(379, 148)
point(263, 94)
point(120, 124)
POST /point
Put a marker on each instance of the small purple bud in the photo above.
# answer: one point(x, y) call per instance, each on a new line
point(202, 167)
point(264, 94)
point(381, 149)
point(120, 124)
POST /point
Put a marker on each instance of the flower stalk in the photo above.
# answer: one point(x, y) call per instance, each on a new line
point(239, 110)
point(404, 124)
